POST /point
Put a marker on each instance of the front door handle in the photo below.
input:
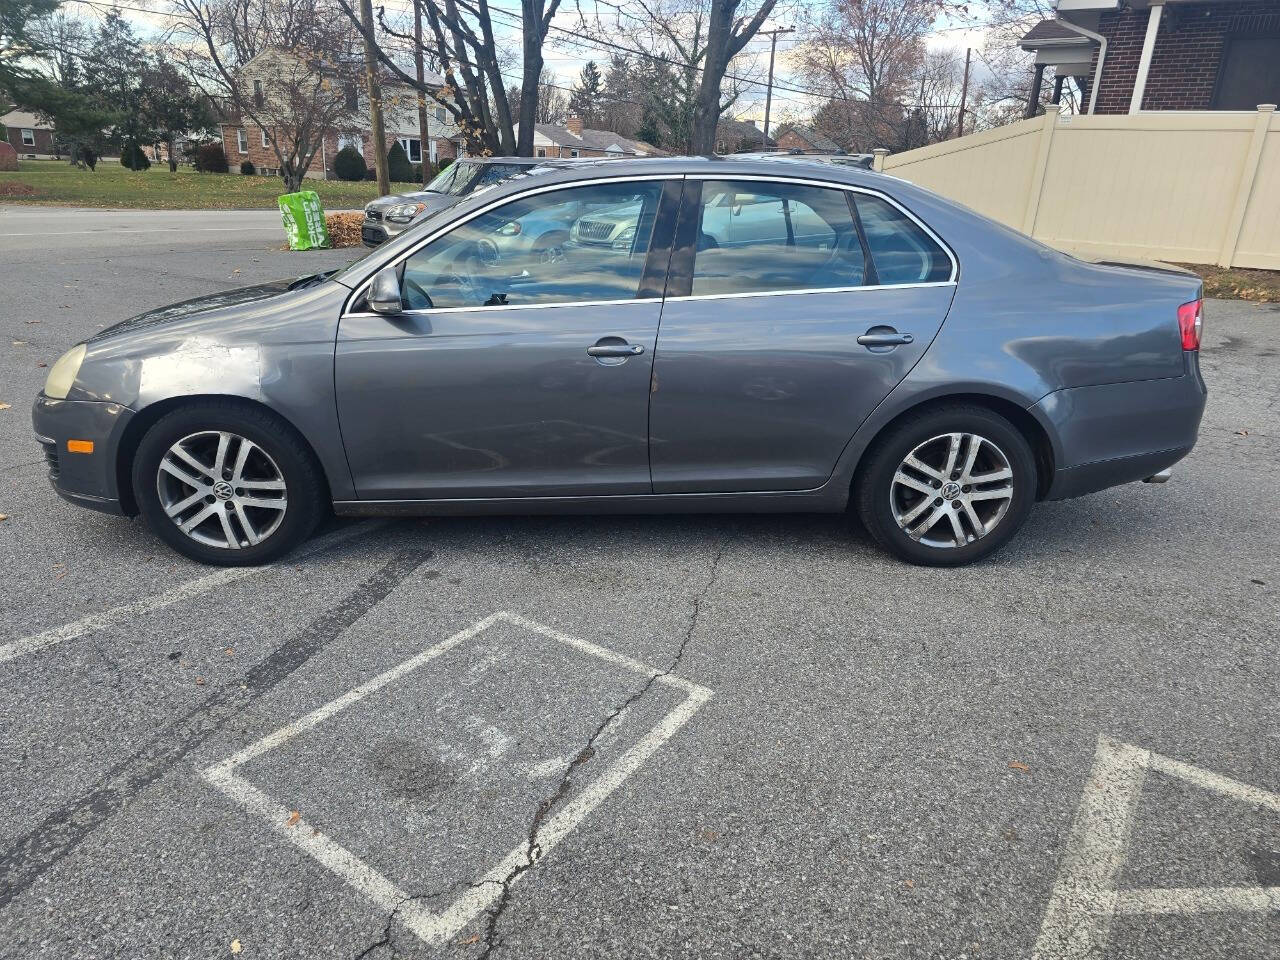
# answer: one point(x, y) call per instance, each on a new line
point(885, 339)
point(615, 350)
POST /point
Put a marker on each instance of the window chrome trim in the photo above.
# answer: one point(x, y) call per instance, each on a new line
point(563, 304)
point(850, 188)
point(726, 176)
point(811, 290)
point(363, 285)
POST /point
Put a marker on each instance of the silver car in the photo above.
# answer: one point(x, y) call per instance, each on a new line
point(710, 335)
point(390, 216)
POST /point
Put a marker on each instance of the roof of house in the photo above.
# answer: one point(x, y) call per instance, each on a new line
point(741, 130)
point(816, 140)
point(603, 140)
point(20, 118)
point(1052, 33)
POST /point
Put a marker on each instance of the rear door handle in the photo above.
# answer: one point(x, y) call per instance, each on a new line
point(615, 350)
point(885, 339)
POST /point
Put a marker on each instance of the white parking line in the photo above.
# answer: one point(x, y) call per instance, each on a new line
point(435, 928)
point(1085, 898)
point(192, 588)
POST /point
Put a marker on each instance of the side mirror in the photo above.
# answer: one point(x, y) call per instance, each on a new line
point(384, 293)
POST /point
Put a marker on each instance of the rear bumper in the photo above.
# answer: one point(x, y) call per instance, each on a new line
point(1121, 432)
point(86, 479)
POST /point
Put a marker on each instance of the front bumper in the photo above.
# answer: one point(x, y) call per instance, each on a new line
point(375, 231)
point(87, 479)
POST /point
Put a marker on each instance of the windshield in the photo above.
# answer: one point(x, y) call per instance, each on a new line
point(462, 177)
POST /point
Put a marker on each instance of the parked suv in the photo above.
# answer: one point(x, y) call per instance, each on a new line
point(388, 217)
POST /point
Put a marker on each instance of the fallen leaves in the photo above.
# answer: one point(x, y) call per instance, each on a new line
point(344, 229)
point(3, 517)
point(294, 817)
point(470, 941)
point(5, 406)
point(236, 946)
point(1020, 767)
point(1242, 433)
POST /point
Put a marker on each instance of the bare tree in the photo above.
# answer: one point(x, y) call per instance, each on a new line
point(553, 104)
point(288, 66)
point(687, 47)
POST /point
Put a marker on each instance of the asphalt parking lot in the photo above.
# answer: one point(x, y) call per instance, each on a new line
point(644, 737)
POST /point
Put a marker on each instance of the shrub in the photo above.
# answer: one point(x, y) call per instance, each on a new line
point(370, 173)
point(247, 168)
point(133, 158)
point(210, 158)
point(399, 169)
point(348, 164)
point(444, 163)
point(417, 173)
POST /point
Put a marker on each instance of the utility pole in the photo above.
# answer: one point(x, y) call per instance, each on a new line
point(768, 97)
point(375, 99)
point(420, 70)
point(964, 92)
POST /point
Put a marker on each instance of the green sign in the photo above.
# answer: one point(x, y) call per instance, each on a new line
point(304, 220)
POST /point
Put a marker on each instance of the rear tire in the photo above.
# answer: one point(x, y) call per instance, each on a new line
point(947, 486)
point(227, 484)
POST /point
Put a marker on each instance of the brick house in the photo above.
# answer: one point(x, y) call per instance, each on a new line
point(735, 136)
point(575, 140)
point(29, 136)
point(797, 137)
point(243, 139)
point(1127, 56)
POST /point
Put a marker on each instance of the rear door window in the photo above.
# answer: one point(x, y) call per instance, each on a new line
point(900, 250)
point(759, 236)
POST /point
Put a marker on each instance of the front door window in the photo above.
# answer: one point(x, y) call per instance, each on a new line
point(579, 245)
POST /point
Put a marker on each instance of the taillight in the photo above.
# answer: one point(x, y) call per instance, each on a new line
point(1190, 321)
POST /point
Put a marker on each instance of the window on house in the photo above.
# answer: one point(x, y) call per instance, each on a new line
point(1250, 73)
point(352, 95)
point(412, 148)
point(719, 146)
point(440, 114)
point(351, 140)
point(573, 153)
point(540, 152)
point(257, 93)
point(28, 138)
point(581, 244)
point(265, 141)
point(242, 140)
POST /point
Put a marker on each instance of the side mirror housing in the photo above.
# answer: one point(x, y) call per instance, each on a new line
point(384, 293)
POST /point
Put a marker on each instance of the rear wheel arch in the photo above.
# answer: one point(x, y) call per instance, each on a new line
point(152, 414)
point(1032, 430)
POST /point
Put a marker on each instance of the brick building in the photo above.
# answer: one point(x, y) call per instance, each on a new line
point(1131, 55)
point(575, 140)
point(796, 137)
point(29, 136)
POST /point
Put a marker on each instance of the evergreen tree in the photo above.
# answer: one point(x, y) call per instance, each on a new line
point(584, 100)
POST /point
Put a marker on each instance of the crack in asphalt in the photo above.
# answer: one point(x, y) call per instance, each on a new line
point(32, 855)
point(533, 850)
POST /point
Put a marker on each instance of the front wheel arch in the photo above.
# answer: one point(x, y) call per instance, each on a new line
point(151, 414)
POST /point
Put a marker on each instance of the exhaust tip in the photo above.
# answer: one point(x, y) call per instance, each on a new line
point(1161, 477)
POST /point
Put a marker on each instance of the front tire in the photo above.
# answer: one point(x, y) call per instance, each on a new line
point(947, 486)
point(227, 484)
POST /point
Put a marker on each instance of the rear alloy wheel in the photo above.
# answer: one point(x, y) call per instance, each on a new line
point(228, 484)
point(947, 486)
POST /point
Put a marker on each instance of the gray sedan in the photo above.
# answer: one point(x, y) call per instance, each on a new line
point(712, 335)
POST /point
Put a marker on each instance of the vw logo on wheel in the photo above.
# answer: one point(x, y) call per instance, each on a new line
point(950, 490)
point(222, 490)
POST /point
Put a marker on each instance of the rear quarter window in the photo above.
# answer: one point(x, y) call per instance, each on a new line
point(900, 250)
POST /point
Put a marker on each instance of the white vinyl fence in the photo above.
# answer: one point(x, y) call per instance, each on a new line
point(1195, 187)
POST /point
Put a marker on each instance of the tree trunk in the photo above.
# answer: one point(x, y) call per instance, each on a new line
point(532, 50)
point(419, 67)
point(172, 144)
point(375, 100)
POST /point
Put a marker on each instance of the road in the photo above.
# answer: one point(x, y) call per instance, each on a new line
point(730, 736)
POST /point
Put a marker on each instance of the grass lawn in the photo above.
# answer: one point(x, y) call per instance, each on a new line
point(111, 185)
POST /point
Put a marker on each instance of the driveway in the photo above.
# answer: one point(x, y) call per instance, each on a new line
point(733, 736)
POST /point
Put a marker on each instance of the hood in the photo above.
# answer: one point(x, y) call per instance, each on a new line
point(186, 309)
point(434, 201)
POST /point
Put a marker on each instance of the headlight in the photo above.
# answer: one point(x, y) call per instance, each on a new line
point(625, 238)
point(405, 212)
point(63, 373)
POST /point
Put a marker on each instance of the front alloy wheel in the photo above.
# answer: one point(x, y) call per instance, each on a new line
point(222, 490)
point(227, 482)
